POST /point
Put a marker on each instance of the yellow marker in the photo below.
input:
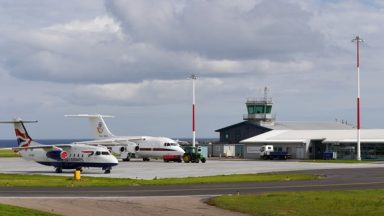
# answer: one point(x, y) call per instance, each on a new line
point(77, 175)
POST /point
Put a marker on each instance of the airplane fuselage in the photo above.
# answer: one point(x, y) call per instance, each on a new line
point(158, 147)
point(141, 146)
point(77, 156)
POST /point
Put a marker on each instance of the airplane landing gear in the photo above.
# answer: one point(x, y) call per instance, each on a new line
point(58, 170)
point(145, 159)
point(107, 170)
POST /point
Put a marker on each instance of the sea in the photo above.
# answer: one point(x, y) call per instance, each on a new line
point(8, 143)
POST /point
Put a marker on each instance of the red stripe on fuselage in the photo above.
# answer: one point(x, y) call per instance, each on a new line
point(155, 149)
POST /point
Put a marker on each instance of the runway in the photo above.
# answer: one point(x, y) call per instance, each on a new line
point(160, 200)
point(334, 177)
point(138, 169)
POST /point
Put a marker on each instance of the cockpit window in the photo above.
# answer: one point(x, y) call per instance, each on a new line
point(105, 153)
point(97, 153)
point(170, 144)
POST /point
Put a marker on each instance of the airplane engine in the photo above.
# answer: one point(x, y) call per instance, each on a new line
point(57, 154)
point(122, 149)
point(133, 148)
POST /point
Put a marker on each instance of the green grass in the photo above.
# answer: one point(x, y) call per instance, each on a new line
point(338, 161)
point(8, 153)
point(8, 210)
point(65, 181)
point(319, 203)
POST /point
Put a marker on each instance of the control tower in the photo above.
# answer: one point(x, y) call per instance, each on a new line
point(259, 110)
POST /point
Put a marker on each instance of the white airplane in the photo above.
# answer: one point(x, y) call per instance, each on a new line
point(141, 146)
point(61, 156)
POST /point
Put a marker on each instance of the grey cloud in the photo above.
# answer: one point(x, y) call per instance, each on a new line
point(216, 30)
point(164, 40)
point(159, 92)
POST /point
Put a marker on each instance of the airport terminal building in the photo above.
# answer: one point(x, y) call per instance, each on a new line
point(303, 140)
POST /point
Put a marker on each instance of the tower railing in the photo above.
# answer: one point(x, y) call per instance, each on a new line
point(259, 100)
point(259, 116)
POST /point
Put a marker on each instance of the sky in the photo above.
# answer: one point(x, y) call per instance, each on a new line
point(132, 59)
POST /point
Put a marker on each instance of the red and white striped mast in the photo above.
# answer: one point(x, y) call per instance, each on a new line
point(357, 39)
point(193, 77)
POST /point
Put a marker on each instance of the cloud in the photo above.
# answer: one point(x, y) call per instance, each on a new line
point(114, 56)
point(170, 42)
point(220, 29)
point(147, 92)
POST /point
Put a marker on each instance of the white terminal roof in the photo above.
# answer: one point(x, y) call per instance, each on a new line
point(303, 125)
point(326, 136)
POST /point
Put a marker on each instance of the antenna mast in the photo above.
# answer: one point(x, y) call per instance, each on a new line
point(193, 77)
point(357, 39)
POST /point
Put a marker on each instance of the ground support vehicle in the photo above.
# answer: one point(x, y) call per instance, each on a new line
point(193, 155)
point(267, 152)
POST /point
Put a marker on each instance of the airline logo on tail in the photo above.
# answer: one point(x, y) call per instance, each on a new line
point(22, 138)
point(100, 128)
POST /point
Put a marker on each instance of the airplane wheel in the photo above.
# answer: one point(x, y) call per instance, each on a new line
point(186, 158)
point(107, 171)
point(58, 170)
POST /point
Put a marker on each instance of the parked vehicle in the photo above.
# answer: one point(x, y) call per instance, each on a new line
point(267, 152)
point(193, 155)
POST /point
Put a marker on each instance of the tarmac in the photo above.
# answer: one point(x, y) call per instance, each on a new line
point(171, 205)
point(137, 169)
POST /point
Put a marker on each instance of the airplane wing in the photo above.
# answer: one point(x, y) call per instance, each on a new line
point(109, 142)
point(45, 147)
point(136, 139)
point(88, 115)
point(127, 145)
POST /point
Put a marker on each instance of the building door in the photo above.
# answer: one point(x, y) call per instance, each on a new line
point(300, 152)
point(317, 149)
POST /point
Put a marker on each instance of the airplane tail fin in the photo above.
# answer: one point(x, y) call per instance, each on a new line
point(98, 126)
point(22, 136)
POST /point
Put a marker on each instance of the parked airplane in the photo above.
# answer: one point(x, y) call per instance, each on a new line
point(61, 156)
point(141, 146)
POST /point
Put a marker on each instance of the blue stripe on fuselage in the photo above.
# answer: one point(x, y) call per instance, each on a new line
point(74, 165)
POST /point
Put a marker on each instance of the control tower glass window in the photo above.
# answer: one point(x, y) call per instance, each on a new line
point(254, 109)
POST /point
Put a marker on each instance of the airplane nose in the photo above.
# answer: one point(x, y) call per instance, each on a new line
point(180, 150)
point(113, 160)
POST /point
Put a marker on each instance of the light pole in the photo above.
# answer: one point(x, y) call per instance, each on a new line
point(357, 39)
point(193, 77)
